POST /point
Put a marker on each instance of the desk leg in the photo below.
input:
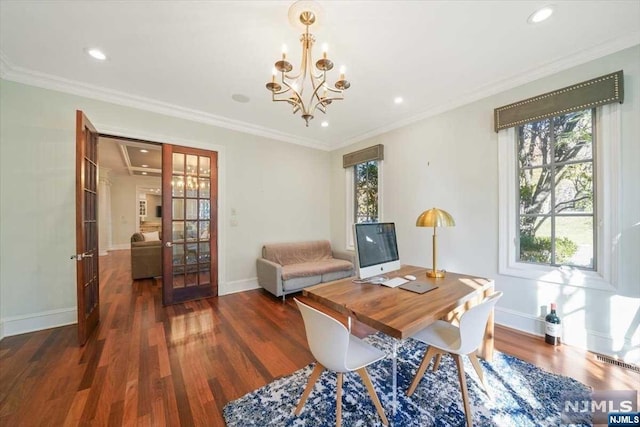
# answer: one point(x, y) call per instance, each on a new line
point(394, 377)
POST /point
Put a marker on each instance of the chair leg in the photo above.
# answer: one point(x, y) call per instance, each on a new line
point(374, 396)
point(315, 374)
point(476, 365)
point(436, 363)
point(339, 400)
point(431, 351)
point(463, 388)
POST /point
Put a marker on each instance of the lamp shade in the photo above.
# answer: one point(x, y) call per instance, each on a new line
point(435, 218)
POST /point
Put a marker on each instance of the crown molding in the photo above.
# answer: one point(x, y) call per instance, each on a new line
point(545, 70)
point(8, 71)
point(17, 74)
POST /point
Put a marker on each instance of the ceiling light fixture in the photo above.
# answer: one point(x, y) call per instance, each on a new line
point(291, 87)
point(144, 151)
point(97, 54)
point(540, 15)
point(398, 100)
point(145, 166)
point(324, 124)
point(144, 173)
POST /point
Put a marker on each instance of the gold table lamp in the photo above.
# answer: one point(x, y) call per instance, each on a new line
point(435, 218)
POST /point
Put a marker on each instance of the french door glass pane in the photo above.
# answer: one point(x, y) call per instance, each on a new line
point(192, 209)
point(178, 209)
point(178, 231)
point(205, 166)
point(178, 255)
point(204, 184)
point(204, 211)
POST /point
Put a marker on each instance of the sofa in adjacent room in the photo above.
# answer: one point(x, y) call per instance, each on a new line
point(285, 268)
point(146, 255)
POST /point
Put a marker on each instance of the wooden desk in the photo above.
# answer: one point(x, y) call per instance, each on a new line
point(400, 313)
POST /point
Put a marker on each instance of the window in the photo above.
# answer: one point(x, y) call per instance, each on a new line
point(363, 173)
point(363, 196)
point(558, 198)
point(556, 182)
point(365, 192)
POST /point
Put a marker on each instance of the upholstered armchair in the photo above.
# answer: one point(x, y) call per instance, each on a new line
point(146, 255)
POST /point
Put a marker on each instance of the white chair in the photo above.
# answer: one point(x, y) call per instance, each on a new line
point(443, 337)
point(337, 350)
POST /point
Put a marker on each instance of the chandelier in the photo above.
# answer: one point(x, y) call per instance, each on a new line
point(308, 90)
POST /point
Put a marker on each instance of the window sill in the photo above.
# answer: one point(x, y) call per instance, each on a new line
point(559, 275)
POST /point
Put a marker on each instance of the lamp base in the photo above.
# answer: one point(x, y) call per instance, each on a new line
point(435, 274)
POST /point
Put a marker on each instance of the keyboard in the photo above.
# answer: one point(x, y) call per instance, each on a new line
point(395, 282)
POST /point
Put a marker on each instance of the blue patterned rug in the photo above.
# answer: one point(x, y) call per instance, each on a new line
point(522, 395)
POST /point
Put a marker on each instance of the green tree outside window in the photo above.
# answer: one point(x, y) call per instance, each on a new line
point(366, 192)
point(557, 190)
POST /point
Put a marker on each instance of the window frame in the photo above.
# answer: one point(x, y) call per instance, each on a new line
point(350, 189)
point(607, 211)
point(552, 215)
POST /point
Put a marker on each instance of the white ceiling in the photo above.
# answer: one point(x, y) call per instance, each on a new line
point(188, 58)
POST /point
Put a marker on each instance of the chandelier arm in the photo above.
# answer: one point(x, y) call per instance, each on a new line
point(330, 89)
point(333, 98)
point(315, 95)
point(297, 96)
point(290, 77)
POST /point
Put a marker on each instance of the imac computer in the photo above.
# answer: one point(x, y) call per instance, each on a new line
point(376, 249)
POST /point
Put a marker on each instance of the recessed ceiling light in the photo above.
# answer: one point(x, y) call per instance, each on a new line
point(398, 100)
point(540, 15)
point(145, 166)
point(97, 54)
point(144, 173)
point(324, 124)
point(144, 151)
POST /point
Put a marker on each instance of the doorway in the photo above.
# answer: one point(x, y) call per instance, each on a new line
point(189, 270)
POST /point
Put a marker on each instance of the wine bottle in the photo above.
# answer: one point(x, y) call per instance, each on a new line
point(553, 330)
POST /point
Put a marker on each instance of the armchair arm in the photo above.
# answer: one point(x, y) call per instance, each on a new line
point(345, 255)
point(269, 276)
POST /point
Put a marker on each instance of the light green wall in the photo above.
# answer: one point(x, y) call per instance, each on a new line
point(451, 161)
point(278, 191)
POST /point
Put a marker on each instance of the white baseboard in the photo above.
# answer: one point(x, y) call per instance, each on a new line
point(17, 325)
point(239, 286)
point(519, 321)
point(590, 340)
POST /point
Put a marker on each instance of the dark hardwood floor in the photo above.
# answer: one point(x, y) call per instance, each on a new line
point(179, 365)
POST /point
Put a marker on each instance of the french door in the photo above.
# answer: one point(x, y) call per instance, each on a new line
point(189, 223)
point(87, 277)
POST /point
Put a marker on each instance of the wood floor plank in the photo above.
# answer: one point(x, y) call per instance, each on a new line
point(180, 365)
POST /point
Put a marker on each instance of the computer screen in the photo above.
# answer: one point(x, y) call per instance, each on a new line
point(376, 248)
